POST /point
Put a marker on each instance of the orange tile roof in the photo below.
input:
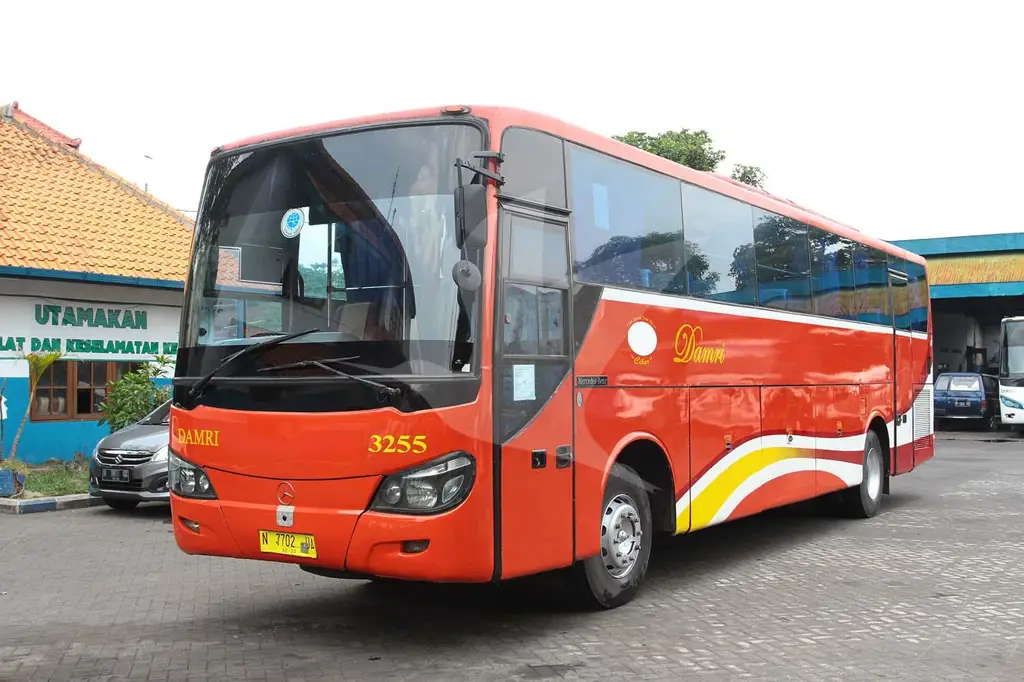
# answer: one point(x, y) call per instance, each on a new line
point(60, 210)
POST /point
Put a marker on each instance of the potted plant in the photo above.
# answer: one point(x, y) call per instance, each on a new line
point(12, 478)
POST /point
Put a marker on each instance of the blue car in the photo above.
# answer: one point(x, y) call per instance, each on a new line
point(968, 397)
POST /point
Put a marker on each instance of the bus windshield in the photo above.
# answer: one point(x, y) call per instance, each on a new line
point(351, 234)
point(1013, 348)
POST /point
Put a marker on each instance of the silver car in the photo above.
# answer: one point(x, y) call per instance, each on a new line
point(130, 466)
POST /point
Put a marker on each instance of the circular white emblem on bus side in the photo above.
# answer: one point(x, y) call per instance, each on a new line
point(642, 338)
point(292, 223)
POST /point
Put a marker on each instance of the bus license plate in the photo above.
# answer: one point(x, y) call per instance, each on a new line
point(289, 544)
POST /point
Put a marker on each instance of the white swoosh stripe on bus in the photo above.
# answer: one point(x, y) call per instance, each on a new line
point(851, 474)
point(706, 306)
point(854, 443)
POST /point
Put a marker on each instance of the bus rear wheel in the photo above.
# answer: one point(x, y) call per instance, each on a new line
point(613, 576)
point(863, 501)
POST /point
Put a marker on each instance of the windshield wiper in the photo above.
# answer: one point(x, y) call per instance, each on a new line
point(387, 390)
point(197, 388)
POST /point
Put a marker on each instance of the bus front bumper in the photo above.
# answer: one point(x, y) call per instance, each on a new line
point(453, 546)
point(1011, 416)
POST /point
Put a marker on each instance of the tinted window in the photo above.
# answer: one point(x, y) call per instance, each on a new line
point(719, 246)
point(900, 294)
point(538, 252)
point(1011, 360)
point(627, 224)
point(534, 320)
point(832, 280)
point(969, 384)
point(871, 275)
point(918, 290)
point(534, 167)
point(783, 264)
point(369, 212)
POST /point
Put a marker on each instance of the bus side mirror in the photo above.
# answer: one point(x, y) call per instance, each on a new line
point(471, 216)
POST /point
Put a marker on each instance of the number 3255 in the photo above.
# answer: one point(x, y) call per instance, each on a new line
point(400, 445)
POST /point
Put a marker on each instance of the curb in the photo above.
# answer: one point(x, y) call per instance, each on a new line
point(45, 504)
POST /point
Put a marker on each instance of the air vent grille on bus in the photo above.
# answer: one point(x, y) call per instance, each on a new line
point(922, 416)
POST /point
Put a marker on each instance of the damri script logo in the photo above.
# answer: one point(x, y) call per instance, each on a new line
point(690, 347)
point(207, 437)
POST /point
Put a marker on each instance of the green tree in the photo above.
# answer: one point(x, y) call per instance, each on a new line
point(134, 395)
point(314, 279)
point(38, 363)
point(693, 148)
point(749, 175)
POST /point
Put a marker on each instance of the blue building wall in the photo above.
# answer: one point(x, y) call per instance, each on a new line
point(45, 441)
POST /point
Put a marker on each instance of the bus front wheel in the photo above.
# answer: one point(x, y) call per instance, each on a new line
point(612, 577)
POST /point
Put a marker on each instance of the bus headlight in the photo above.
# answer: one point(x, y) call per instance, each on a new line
point(429, 488)
point(1010, 402)
point(187, 479)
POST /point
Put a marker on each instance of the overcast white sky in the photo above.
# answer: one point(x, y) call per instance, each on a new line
point(903, 119)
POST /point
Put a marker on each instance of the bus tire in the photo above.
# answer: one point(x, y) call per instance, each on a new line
point(863, 501)
point(613, 576)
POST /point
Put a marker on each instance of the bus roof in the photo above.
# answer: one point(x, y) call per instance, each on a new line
point(503, 117)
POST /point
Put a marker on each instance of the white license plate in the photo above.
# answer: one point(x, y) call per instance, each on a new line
point(118, 475)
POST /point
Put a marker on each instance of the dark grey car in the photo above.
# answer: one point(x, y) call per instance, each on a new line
point(130, 466)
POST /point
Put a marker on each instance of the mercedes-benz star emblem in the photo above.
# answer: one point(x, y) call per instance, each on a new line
point(285, 493)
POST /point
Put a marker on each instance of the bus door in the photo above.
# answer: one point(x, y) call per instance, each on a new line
point(533, 393)
point(903, 375)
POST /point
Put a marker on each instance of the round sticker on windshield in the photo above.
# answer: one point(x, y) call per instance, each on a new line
point(292, 223)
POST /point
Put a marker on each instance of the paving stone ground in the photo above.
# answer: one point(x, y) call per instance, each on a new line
point(931, 589)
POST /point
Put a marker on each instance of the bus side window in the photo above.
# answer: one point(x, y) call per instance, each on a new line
point(627, 224)
point(783, 263)
point(832, 287)
point(900, 295)
point(871, 271)
point(918, 290)
point(533, 167)
point(720, 261)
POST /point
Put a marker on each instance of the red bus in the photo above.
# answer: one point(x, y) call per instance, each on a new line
point(470, 344)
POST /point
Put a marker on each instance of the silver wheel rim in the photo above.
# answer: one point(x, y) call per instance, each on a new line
point(621, 536)
point(874, 474)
